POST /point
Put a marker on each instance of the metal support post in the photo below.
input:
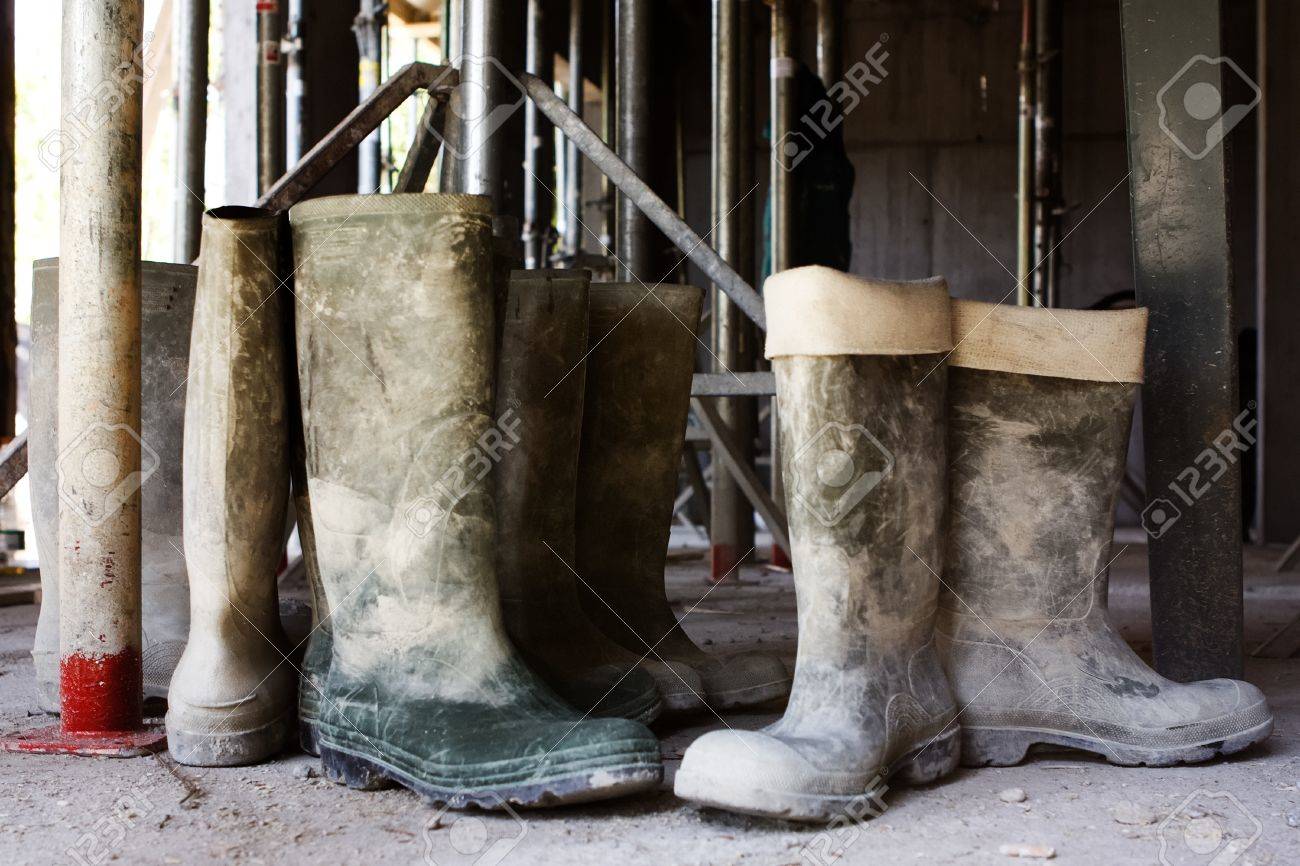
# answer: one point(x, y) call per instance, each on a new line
point(635, 236)
point(270, 96)
point(491, 144)
point(1025, 160)
point(369, 28)
point(191, 126)
point(830, 25)
point(295, 100)
point(1049, 200)
point(539, 148)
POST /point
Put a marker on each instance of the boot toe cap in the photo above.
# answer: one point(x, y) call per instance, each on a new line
point(744, 680)
point(680, 685)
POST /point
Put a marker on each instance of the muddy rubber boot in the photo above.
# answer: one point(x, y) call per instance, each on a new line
point(1040, 404)
point(639, 372)
point(165, 317)
point(232, 696)
point(316, 655)
point(396, 368)
point(860, 380)
point(540, 382)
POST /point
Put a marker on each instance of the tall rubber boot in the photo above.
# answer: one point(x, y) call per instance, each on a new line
point(396, 365)
point(165, 317)
point(320, 640)
point(639, 373)
point(541, 378)
point(1040, 403)
point(860, 380)
point(232, 696)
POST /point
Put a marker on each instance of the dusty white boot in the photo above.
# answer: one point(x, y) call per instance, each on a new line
point(1040, 403)
point(166, 311)
point(232, 697)
point(860, 380)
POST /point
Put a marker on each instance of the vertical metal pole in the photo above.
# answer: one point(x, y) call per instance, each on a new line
point(491, 165)
point(634, 245)
point(1048, 194)
point(8, 283)
point(270, 96)
point(1024, 158)
point(731, 519)
point(295, 101)
point(99, 375)
point(1183, 274)
point(369, 29)
point(191, 126)
point(608, 110)
point(539, 152)
point(572, 158)
point(783, 108)
point(830, 24)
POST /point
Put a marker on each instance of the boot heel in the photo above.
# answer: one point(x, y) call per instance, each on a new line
point(309, 738)
point(993, 747)
point(357, 773)
point(932, 761)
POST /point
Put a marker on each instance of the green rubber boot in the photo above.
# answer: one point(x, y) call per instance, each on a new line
point(540, 382)
point(634, 419)
point(231, 700)
point(860, 379)
point(396, 363)
point(1040, 403)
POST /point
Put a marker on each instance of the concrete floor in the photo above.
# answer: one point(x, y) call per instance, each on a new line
point(147, 810)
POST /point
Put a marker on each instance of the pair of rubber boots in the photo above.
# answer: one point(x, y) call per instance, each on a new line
point(445, 487)
point(905, 417)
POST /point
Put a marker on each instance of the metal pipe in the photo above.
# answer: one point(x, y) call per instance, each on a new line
point(655, 209)
point(572, 158)
point(191, 126)
point(8, 183)
point(784, 96)
point(608, 108)
point(1048, 194)
point(539, 148)
point(369, 29)
point(295, 101)
point(99, 375)
point(634, 245)
point(830, 24)
point(485, 93)
point(270, 96)
point(731, 520)
point(1024, 159)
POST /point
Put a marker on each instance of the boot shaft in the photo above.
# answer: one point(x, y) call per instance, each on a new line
point(541, 378)
point(1040, 405)
point(395, 363)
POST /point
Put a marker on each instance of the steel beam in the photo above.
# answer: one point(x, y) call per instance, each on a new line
point(270, 95)
point(634, 244)
point(1183, 274)
point(539, 147)
point(192, 18)
point(425, 146)
point(635, 190)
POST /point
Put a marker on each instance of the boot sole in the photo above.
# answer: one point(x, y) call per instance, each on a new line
point(750, 696)
point(237, 749)
point(364, 773)
point(920, 766)
point(1006, 747)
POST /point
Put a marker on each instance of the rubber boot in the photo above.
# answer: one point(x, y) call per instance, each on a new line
point(232, 696)
point(541, 377)
point(320, 640)
point(860, 380)
point(166, 312)
point(639, 373)
point(396, 366)
point(1040, 403)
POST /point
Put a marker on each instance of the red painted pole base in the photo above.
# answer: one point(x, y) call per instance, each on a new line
point(779, 559)
point(722, 561)
point(53, 740)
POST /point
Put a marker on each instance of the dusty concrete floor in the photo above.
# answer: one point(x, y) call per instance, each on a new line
point(95, 811)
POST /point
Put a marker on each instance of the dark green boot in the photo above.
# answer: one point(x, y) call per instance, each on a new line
point(396, 363)
point(860, 381)
point(541, 377)
point(634, 421)
point(1040, 403)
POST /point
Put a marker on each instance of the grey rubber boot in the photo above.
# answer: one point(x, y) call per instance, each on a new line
point(860, 381)
point(316, 655)
point(232, 696)
point(166, 312)
point(396, 368)
point(1040, 404)
point(541, 377)
point(639, 373)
